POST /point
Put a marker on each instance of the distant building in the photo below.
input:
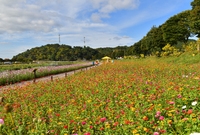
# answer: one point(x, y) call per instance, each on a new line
point(7, 62)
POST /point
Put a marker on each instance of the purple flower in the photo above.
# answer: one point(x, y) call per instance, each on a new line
point(1, 122)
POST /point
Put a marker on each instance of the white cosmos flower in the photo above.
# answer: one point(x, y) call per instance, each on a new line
point(184, 107)
point(195, 134)
point(194, 103)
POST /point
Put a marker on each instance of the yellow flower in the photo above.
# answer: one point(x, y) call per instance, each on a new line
point(60, 123)
point(89, 101)
point(145, 129)
point(169, 114)
point(193, 115)
point(154, 127)
point(134, 131)
point(184, 99)
point(172, 111)
point(196, 78)
point(107, 125)
point(50, 110)
point(132, 109)
point(169, 121)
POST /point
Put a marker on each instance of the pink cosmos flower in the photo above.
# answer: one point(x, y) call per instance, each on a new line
point(161, 118)
point(1, 121)
point(157, 114)
point(179, 96)
point(155, 133)
point(83, 123)
point(171, 102)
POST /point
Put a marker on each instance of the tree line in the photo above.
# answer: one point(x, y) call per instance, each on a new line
point(174, 32)
point(56, 52)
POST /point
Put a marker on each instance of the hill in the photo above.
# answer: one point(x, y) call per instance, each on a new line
point(56, 52)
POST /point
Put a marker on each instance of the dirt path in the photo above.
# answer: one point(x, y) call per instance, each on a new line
point(46, 78)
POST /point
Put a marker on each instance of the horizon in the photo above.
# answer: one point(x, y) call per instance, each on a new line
point(27, 24)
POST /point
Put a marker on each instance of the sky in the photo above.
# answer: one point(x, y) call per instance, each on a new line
point(25, 24)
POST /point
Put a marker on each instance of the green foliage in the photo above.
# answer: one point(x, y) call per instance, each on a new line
point(185, 58)
point(195, 17)
point(56, 52)
point(176, 28)
point(191, 47)
point(170, 51)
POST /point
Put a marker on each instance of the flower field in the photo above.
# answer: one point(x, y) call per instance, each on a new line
point(139, 97)
point(14, 76)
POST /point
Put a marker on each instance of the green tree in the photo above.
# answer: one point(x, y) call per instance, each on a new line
point(177, 28)
point(195, 17)
point(1, 60)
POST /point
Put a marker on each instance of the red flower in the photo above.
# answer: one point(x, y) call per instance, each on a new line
point(145, 118)
point(101, 128)
point(127, 122)
point(87, 134)
point(57, 114)
point(103, 119)
point(72, 121)
point(189, 111)
point(162, 131)
point(115, 124)
point(65, 126)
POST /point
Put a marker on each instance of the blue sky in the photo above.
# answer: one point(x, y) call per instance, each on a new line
point(25, 24)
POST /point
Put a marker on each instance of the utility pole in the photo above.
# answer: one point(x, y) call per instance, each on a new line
point(84, 41)
point(59, 38)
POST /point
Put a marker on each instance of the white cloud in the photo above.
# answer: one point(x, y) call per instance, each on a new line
point(27, 18)
point(105, 7)
point(108, 6)
point(96, 17)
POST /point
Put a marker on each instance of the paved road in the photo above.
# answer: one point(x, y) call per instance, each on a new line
point(47, 78)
